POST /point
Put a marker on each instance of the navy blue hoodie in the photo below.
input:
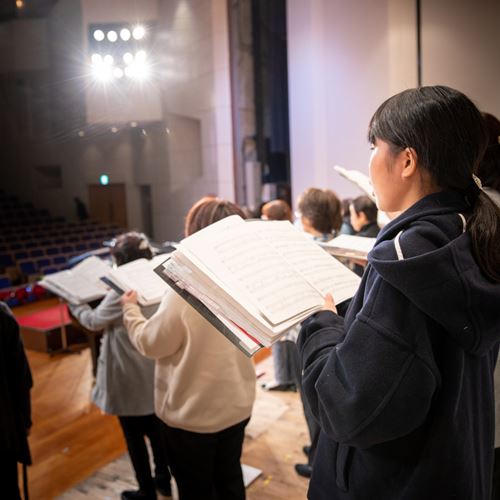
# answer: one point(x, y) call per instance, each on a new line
point(402, 387)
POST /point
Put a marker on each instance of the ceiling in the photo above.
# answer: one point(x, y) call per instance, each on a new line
point(19, 9)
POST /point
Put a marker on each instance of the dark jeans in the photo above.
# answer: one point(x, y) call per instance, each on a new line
point(134, 429)
point(207, 466)
point(284, 360)
point(312, 424)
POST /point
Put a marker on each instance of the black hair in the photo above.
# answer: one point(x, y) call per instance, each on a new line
point(345, 203)
point(131, 246)
point(488, 169)
point(363, 204)
point(447, 132)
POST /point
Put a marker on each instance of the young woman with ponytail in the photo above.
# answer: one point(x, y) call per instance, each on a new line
point(402, 385)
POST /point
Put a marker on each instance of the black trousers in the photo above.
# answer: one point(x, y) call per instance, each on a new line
point(9, 478)
point(495, 495)
point(135, 428)
point(207, 466)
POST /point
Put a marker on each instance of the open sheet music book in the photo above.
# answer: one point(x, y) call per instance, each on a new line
point(347, 245)
point(81, 284)
point(138, 275)
point(256, 278)
point(359, 179)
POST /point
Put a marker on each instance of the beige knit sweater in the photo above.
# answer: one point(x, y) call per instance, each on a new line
point(203, 383)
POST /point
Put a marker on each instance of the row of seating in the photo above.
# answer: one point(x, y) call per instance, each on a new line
point(44, 241)
point(54, 229)
point(9, 258)
point(34, 244)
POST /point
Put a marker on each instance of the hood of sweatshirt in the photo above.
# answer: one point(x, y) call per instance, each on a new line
point(426, 255)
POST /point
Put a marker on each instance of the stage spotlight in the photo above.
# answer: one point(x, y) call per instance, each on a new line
point(102, 72)
point(140, 56)
point(118, 73)
point(128, 58)
point(96, 58)
point(141, 71)
point(125, 34)
point(139, 32)
point(112, 36)
point(138, 71)
point(108, 59)
point(99, 35)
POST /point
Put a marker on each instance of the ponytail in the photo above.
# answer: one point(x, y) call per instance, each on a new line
point(484, 229)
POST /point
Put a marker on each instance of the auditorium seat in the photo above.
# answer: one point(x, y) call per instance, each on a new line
point(59, 259)
point(44, 262)
point(48, 270)
point(5, 281)
point(52, 251)
point(67, 248)
point(6, 260)
point(36, 252)
point(28, 267)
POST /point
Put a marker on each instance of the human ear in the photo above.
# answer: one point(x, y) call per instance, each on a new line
point(409, 157)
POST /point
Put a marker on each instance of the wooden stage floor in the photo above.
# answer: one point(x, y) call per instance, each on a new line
point(71, 439)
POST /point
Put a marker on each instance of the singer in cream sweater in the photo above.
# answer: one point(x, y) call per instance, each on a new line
point(204, 385)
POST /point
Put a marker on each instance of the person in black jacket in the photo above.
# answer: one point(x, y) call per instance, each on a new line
point(488, 170)
point(15, 405)
point(363, 213)
point(364, 222)
point(402, 385)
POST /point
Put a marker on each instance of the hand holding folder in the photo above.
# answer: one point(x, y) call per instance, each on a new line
point(256, 278)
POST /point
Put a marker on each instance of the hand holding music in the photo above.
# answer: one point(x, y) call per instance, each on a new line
point(129, 297)
point(329, 304)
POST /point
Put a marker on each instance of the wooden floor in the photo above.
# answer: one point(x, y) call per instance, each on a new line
point(71, 439)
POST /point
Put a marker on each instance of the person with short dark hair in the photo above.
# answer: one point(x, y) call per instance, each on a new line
point(205, 386)
point(125, 380)
point(15, 405)
point(402, 384)
point(277, 210)
point(364, 222)
point(321, 218)
point(320, 213)
point(364, 217)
